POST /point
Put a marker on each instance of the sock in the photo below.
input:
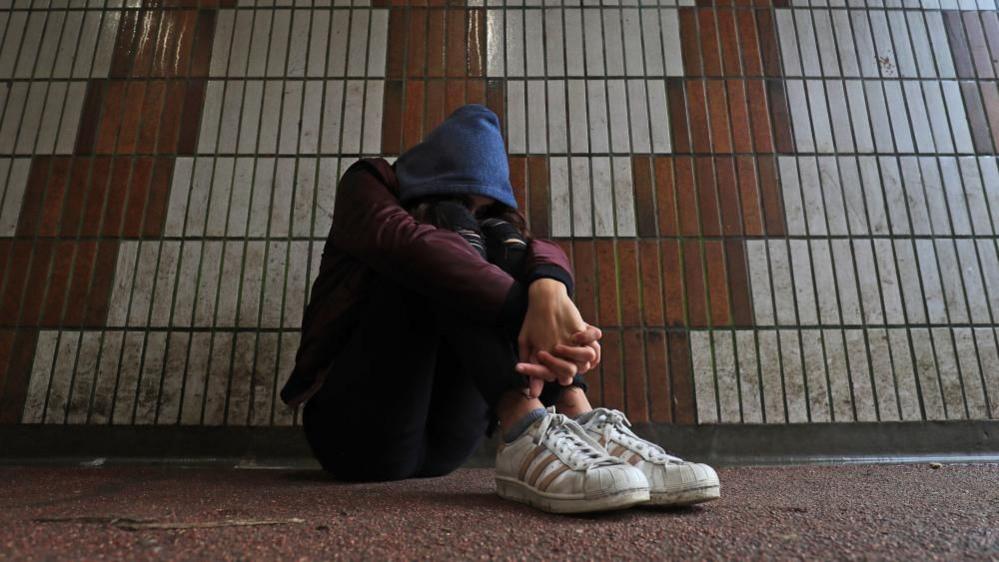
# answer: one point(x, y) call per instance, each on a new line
point(521, 425)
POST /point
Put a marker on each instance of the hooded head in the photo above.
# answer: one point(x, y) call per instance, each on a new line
point(464, 155)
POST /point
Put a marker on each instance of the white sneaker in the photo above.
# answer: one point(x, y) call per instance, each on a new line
point(555, 466)
point(672, 481)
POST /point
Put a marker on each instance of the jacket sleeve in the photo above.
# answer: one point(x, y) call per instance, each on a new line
point(546, 259)
point(371, 225)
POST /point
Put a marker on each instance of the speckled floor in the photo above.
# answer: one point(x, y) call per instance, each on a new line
point(883, 512)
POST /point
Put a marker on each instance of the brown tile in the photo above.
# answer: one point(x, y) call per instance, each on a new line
point(652, 291)
point(398, 28)
point(15, 388)
point(607, 299)
point(97, 190)
point(707, 196)
point(660, 395)
point(742, 138)
point(636, 397)
point(436, 40)
point(185, 29)
point(14, 280)
point(682, 378)
point(496, 100)
point(738, 283)
point(729, 38)
point(457, 47)
point(628, 278)
point(693, 283)
point(146, 42)
point(33, 200)
point(138, 191)
point(152, 110)
point(990, 98)
point(201, 48)
point(125, 44)
point(110, 118)
point(539, 213)
point(117, 192)
point(55, 196)
point(673, 283)
point(690, 45)
point(714, 259)
point(86, 135)
point(435, 106)
point(59, 279)
point(759, 113)
point(749, 196)
point(518, 179)
point(990, 22)
point(76, 195)
point(697, 110)
point(708, 31)
point(454, 95)
point(171, 114)
point(584, 263)
point(959, 47)
point(412, 124)
point(167, 43)
point(678, 115)
point(686, 196)
point(475, 91)
point(131, 117)
point(476, 41)
point(979, 46)
point(611, 375)
point(645, 207)
point(37, 281)
point(666, 196)
point(6, 350)
point(565, 244)
point(773, 206)
point(977, 121)
point(159, 193)
point(83, 270)
point(418, 40)
point(100, 287)
point(721, 139)
point(767, 37)
point(783, 140)
point(728, 196)
point(752, 63)
point(194, 102)
point(392, 118)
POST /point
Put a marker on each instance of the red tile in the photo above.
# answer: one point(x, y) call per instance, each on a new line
point(645, 206)
point(518, 179)
point(475, 91)
point(392, 118)
point(977, 121)
point(37, 280)
point(979, 46)
point(124, 49)
point(476, 40)
point(396, 55)
point(738, 283)
point(539, 213)
point(15, 387)
point(59, 279)
point(767, 36)
point(690, 45)
point(138, 191)
point(686, 196)
point(752, 64)
point(412, 129)
point(728, 196)
point(959, 48)
point(584, 262)
point(749, 196)
point(652, 291)
point(55, 196)
point(201, 48)
point(436, 41)
point(146, 42)
point(697, 110)
point(454, 95)
point(118, 189)
point(15, 279)
point(721, 140)
point(673, 283)
point(97, 188)
point(708, 31)
point(693, 282)
point(159, 193)
point(729, 39)
point(83, 270)
point(457, 47)
point(607, 305)
point(33, 200)
point(707, 197)
point(100, 287)
point(666, 200)
point(131, 117)
point(990, 98)
point(682, 378)
point(628, 278)
point(759, 113)
point(86, 136)
point(779, 112)
point(418, 39)
point(773, 207)
point(742, 137)
point(660, 395)
point(678, 115)
point(111, 116)
point(76, 195)
point(435, 106)
point(636, 398)
point(151, 114)
point(613, 381)
point(714, 258)
point(189, 123)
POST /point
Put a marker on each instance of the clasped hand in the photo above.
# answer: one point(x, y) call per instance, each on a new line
point(555, 344)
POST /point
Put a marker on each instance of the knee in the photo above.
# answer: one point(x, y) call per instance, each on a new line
point(367, 467)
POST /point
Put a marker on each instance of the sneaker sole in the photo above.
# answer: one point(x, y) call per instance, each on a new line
point(688, 496)
point(522, 493)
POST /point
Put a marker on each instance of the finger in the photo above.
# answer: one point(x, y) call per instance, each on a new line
point(578, 354)
point(587, 335)
point(560, 367)
point(534, 386)
point(535, 370)
point(596, 347)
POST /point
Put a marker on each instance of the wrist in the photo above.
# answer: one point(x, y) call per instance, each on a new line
point(546, 287)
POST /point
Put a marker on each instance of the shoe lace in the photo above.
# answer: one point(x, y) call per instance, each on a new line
point(570, 443)
point(615, 425)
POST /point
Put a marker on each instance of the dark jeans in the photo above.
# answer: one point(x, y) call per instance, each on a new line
point(413, 391)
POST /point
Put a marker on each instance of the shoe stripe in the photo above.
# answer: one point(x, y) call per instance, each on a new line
point(618, 450)
point(540, 467)
point(547, 481)
point(527, 462)
point(635, 459)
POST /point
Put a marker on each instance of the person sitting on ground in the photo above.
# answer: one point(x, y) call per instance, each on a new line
point(436, 316)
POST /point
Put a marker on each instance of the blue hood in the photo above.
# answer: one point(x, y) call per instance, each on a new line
point(465, 155)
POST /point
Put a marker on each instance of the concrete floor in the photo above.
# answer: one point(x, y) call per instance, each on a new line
point(141, 512)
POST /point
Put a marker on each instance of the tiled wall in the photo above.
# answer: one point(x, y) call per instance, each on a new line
point(778, 213)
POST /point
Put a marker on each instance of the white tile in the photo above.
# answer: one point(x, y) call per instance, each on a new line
point(535, 43)
point(30, 43)
point(940, 45)
point(252, 284)
point(800, 116)
point(62, 375)
point(613, 48)
point(846, 52)
point(846, 281)
point(273, 285)
point(804, 291)
point(773, 392)
point(881, 372)
point(895, 196)
point(937, 116)
point(17, 95)
point(277, 52)
point(952, 281)
point(516, 117)
point(249, 126)
point(578, 122)
point(868, 276)
point(148, 391)
point(624, 196)
point(926, 374)
point(659, 117)
point(222, 41)
point(218, 375)
point(332, 117)
point(353, 113)
point(318, 38)
point(371, 142)
point(195, 378)
point(618, 116)
point(11, 46)
point(561, 199)
point(556, 116)
point(174, 364)
point(582, 203)
point(104, 384)
point(13, 171)
point(932, 289)
point(336, 58)
point(514, 42)
point(788, 42)
point(704, 379)
point(187, 283)
point(83, 380)
point(974, 196)
point(873, 197)
point(632, 31)
point(858, 116)
point(246, 53)
point(670, 24)
point(783, 286)
point(899, 116)
point(122, 289)
point(639, 116)
point(219, 197)
point(603, 196)
point(197, 202)
point(971, 276)
point(864, 43)
point(297, 284)
point(990, 267)
point(759, 275)
point(986, 344)
point(812, 196)
point(840, 393)
point(288, 345)
point(825, 41)
point(554, 55)
point(904, 374)
point(325, 196)
point(123, 410)
point(921, 128)
point(263, 379)
point(726, 377)
point(41, 375)
point(810, 64)
point(860, 375)
point(794, 379)
point(903, 49)
point(971, 378)
point(989, 166)
point(922, 49)
point(212, 305)
point(821, 126)
point(956, 196)
point(651, 39)
point(238, 396)
point(357, 56)
point(935, 196)
point(814, 367)
point(790, 188)
point(298, 47)
point(256, 65)
point(908, 273)
point(166, 276)
point(31, 117)
point(270, 117)
point(496, 42)
point(825, 282)
point(958, 119)
point(291, 117)
point(212, 116)
point(832, 197)
point(749, 377)
point(597, 111)
point(143, 283)
point(48, 126)
point(881, 123)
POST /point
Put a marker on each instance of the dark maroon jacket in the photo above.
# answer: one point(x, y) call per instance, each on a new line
point(373, 235)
